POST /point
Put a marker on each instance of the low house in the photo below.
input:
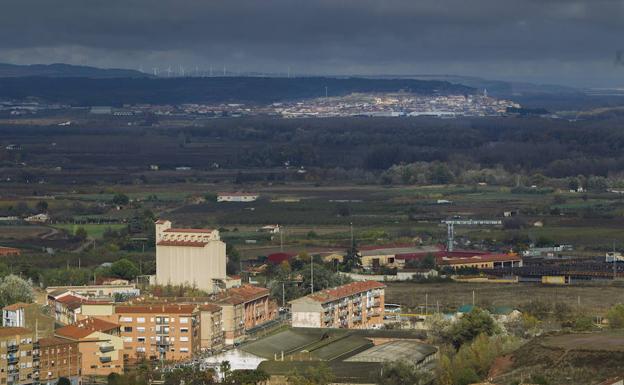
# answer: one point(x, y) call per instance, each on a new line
point(38, 218)
point(9, 252)
point(66, 307)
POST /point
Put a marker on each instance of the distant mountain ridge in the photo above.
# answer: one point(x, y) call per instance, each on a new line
point(82, 91)
point(61, 70)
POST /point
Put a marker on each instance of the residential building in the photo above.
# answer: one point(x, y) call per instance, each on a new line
point(9, 252)
point(59, 357)
point(210, 317)
point(30, 316)
point(102, 291)
point(159, 331)
point(356, 305)
point(189, 257)
point(483, 261)
point(66, 308)
point(20, 354)
point(99, 343)
point(233, 317)
point(237, 197)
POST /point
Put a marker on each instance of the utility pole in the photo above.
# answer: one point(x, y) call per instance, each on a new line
point(281, 240)
point(283, 295)
point(426, 303)
point(312, 275)
point(614, 263)
point(352, 242)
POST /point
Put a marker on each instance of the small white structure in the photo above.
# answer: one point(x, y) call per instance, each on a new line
point(38, 218)
point(273, 229)
point(237, 197)
point(614, 256)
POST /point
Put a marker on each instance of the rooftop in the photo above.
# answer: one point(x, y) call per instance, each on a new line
point(183, 230)
point(155, 309)
point(16, 306)
point(245, 293)
point(347, 290)
point(479, 258)
point(85, 328)
point(7, 332)
point(390, 351)
point(183, 243)
point(53, 341)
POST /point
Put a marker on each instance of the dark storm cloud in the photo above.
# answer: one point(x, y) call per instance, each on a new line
point(557, 40)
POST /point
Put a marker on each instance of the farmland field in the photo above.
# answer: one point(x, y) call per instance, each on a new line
point(595, 297)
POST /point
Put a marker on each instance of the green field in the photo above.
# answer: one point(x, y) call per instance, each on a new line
point(93, 230)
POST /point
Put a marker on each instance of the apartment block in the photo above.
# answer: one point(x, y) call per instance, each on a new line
point(245, 308)
point(210, 317)
point(165, 332)
point(190, 257)
point(59, 357)
point(30, 316)
point(19, 356)
point(99, 343)
point(357, 305)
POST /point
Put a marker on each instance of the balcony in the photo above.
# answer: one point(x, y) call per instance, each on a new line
point(162, 322)
point(12, 359)
point(106, 348)
point(162, 342)
point(12, 348)
point(162, 331)
point(105, 359)
point(357, 318)
point(328, 318)
point(357, 300)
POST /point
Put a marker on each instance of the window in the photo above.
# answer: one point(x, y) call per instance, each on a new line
point(183, 330)
point(126, 319)
point(140, 329)
point(141, 339)
point(127, 339)
point(184, 320)
point(184, 350)
point(127, 329)
point(141, 320)
point(184, 339)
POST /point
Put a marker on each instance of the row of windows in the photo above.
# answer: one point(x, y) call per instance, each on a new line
point(142, 339)
point(141, 329)
point(141, 320)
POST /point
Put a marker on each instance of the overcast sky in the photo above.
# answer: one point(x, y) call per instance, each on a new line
point(549, 41)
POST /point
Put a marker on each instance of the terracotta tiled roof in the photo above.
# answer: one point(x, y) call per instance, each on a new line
point(6, 332)
point(245, 293)
point(71, 301)
point(16, 306)
point(160, 221)
point(85, 328)
point(182, 243)
point(97, 324)
point(180, 230)
point(54, 341)
point(155, 309)
point(74, 332)
point(347, 290)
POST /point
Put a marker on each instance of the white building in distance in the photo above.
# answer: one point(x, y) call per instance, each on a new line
point(190, 257)
point(237, 197)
